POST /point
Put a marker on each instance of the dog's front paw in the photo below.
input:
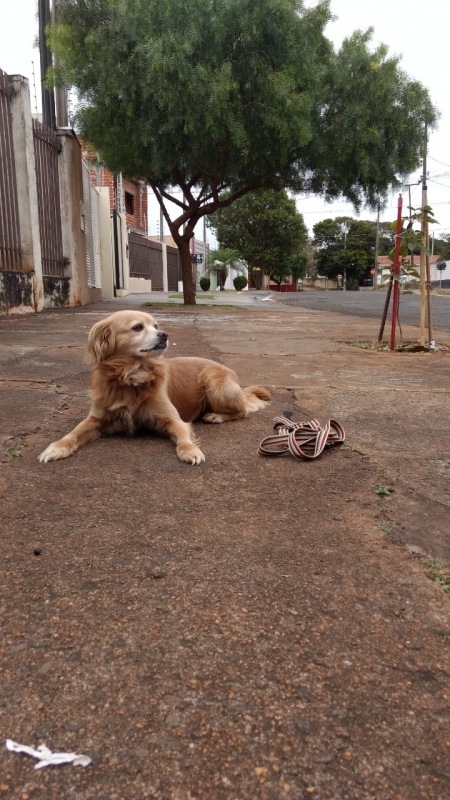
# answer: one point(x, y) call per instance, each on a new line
point(55, 451)
point(213, 418)
point(190, 453)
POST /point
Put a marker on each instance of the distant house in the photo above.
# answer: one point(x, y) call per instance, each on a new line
point(384, 267)
point(125, 196)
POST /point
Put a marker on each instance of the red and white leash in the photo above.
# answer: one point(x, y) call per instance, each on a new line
point(302, 439)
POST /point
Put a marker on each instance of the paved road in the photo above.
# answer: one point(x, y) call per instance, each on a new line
point(358, 304)
point(370, 304)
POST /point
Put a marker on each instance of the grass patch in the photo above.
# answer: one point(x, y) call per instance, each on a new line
point(439, 572)
point(443, 291)
point(382, 490)
point(384, 526)
point(180, 296)
point(197, 307)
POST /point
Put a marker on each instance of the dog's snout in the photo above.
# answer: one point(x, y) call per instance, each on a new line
point(162, 336)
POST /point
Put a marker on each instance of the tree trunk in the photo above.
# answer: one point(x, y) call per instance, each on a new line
point(187, 273)
point(186, 266)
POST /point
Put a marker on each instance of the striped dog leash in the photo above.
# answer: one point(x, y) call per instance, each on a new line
point(301, 439)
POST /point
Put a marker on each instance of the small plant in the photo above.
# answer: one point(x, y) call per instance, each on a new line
point(13, 453)
point(205, 284)
point(439, 573)
point(240, 282)
point(384, 526)
point(384, 490)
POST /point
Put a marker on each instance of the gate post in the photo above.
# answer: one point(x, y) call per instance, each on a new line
point(123, 254)
point(22, 129)
point(72, 216)
point(106, 244)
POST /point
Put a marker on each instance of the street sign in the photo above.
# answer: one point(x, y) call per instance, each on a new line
point(339, 276)
point(372, 272)
point(441, 266)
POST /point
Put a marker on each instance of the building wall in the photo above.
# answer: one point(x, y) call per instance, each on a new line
point(121, 190)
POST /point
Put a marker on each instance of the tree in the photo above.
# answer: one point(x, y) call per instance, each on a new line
point(345, 246)
point(221, 261)
point(201, 97)
point(386, 238)
point(265, 229)
point(298, 264)
point(442, 246)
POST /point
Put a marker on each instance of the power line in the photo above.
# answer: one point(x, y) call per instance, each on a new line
point(439, 162)
point(445, 185)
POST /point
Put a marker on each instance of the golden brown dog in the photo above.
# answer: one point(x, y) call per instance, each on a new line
point(133, 386)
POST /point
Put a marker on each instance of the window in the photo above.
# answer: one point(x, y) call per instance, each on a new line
point(129, 203)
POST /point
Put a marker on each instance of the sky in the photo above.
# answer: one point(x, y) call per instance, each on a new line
point(417, 32)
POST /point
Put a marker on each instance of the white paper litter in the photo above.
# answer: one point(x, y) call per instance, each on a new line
point(45, 756)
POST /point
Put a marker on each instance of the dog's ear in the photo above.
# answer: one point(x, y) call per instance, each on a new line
point(101, 341)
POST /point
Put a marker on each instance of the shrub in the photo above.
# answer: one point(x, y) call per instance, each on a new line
point(205, 284)
point(240, 282)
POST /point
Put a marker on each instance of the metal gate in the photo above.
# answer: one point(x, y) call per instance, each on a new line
point(146, 260)
point(10, 246)
point(91, 230)
point(173, 268)
point(46, 149)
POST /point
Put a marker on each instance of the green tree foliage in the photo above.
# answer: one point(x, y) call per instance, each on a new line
point(386, 239)
point(201, 96)
point(345, 246)
point(298, 265)
point(442, 246)
point(265, 229)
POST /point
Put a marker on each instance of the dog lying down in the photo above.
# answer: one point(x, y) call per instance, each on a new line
point(133, 387)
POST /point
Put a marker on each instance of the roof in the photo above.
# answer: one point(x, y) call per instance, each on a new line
point(384, 261)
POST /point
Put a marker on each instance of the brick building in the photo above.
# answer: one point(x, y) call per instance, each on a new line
point(127, 196)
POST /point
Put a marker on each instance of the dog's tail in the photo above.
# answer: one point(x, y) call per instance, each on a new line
point(256, 397)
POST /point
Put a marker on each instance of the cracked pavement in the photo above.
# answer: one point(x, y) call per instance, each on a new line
point(242, 630)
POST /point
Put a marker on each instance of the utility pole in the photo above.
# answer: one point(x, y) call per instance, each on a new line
point(345, 228)
point(424, 243)
point(161, 225)
point(425, 282)
point(377, 245)
point(61, 98)
point(48, 100)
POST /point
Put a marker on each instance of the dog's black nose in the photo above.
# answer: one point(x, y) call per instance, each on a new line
point(162, 336)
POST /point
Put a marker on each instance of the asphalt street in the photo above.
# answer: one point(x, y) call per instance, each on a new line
point(370, 304)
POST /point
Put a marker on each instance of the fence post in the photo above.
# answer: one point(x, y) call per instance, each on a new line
point(22, 128)
point(72, 222)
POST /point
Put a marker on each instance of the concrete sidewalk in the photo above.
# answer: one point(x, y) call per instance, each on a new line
point(248, 629)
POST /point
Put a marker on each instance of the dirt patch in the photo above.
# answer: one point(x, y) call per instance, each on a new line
point(400, 347)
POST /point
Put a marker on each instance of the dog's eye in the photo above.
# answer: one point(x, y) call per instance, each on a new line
point(155, 325)
point(138, 327)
